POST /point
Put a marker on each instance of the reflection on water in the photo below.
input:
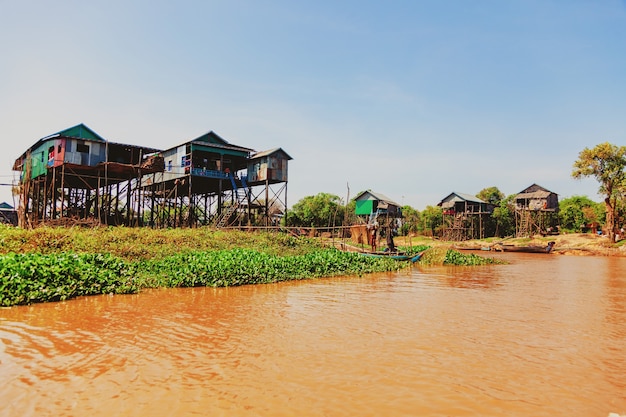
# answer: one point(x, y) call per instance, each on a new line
point(541, 336)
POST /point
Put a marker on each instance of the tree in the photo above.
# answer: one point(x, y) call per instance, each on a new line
point(577, 211)
point(410, 220)
point(607, 163)
point(504, 216)
point(431, 218)
point(321, 210)
point(491, 195)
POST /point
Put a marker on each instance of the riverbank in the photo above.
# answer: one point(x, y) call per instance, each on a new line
point(574, 244)
point(54, 264)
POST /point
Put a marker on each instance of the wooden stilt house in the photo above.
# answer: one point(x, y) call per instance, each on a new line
point(77, 174)
point(211, 181)
point(375, 211)
point(536, 211)
point(464, 216)
point(268, 169)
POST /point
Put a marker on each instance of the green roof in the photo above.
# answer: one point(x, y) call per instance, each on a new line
point(211, 137)
point(79, 131)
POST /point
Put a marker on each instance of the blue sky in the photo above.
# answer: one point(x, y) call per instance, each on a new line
point(412, 99)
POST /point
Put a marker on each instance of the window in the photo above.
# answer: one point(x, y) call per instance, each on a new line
point(82, 148)
point(169, 165)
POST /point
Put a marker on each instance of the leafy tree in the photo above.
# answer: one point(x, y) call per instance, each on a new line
point(576, 211)
point(504, 216)
point(410, 220)
point(491, 195)
point(607, 163)
point(321, 210)
point(431, 219)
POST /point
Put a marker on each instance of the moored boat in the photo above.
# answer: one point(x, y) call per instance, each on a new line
point(526, 249)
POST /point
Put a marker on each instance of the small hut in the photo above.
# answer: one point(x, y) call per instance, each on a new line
point(464, 216)
point(372, 205)
point(375, 211)
point(536, 211)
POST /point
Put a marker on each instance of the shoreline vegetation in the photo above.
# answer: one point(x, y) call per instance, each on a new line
point(54, 264)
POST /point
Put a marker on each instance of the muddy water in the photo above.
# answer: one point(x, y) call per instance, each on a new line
point(542, 336)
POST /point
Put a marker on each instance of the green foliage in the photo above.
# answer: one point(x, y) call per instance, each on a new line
point(445, 256)
point(413, 250)
point(577, 211)
point(491, 195)
point(245, 266)
point(431, 219)
point(144, 243)
point(504, 217)
point(454, 257)
point(410, 220)
point(607, 163)
point(46, 271)
point(321, 210)
point(29, 278)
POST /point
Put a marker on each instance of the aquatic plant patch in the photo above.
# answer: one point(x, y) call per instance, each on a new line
point(245, 266)
point(445, 256)
point(30, 278)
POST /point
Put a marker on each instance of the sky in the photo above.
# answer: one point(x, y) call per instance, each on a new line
point(412, 99)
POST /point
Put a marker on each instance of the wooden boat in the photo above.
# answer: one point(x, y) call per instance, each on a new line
point(526, 249)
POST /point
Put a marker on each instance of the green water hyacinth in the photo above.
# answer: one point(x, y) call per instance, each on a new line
point(30, 278)
point(246, 266)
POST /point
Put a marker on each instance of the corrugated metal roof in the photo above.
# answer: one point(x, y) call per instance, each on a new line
point(536, 194)
point(456, 197)
point(377, 196)
point(79, 131)
point(534, 188)
point(269, 152)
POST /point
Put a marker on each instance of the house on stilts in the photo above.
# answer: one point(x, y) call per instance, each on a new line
point(77, 174)
point(536, 211)
point(464, 216)
point(376, 212)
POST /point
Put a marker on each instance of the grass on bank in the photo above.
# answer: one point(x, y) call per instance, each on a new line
point(51, 264)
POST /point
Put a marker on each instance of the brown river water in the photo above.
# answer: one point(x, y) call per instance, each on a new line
point(542, 336)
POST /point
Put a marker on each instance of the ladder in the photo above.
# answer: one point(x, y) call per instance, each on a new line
point(525, 224)
point(225, 218)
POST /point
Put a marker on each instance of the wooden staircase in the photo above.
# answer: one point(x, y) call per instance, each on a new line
point(231, 213)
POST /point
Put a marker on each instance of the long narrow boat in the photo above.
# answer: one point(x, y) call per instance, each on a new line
point(527, 249)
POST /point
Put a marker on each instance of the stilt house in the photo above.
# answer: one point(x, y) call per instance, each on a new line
point(376, 211)
point(76, 173)
point(372, 205)
point(464, 216)
point(536, 211)
point(269, 169)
